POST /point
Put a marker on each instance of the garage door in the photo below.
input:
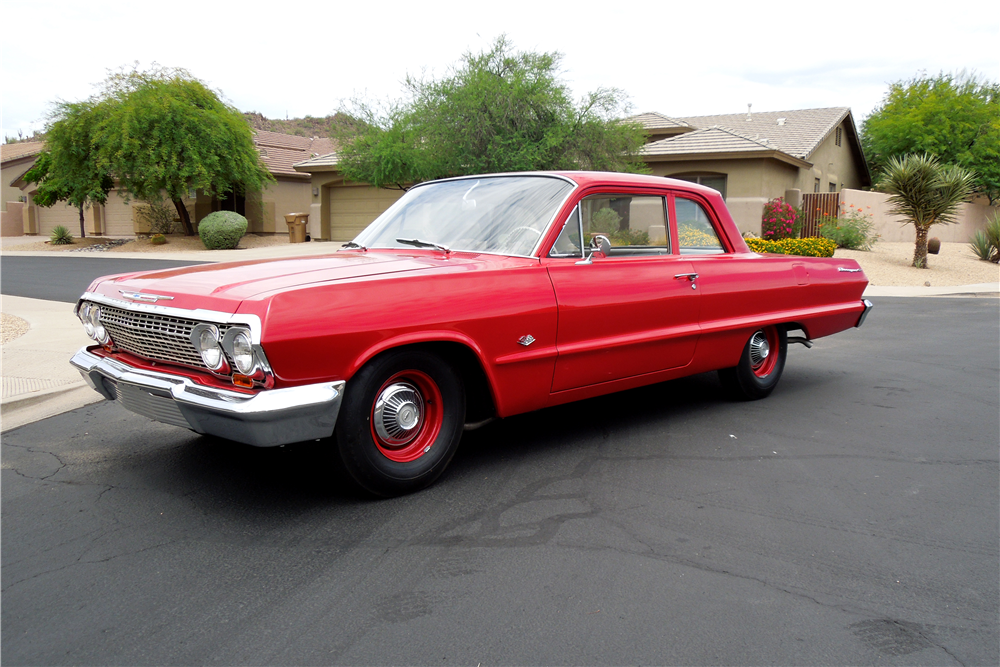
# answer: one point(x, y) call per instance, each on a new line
point(58, 214)
point(352, 208)
point(118, 217)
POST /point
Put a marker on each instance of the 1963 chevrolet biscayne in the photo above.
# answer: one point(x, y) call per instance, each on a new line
point(469, 299)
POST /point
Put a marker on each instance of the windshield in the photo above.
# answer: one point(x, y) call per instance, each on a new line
point(495, 214)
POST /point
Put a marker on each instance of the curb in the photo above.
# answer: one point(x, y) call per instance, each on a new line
point(25, 409)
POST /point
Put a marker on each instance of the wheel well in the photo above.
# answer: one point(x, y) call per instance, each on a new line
point(479, 404)
point(795, 326)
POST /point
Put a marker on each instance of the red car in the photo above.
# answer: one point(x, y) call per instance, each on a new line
point(470, 299)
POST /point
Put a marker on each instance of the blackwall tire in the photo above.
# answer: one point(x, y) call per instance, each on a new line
point(400, 422)
point(760, 366)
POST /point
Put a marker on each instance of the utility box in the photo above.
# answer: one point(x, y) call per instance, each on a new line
point(297, 223)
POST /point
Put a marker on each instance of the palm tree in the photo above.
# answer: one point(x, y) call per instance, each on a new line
point(926, 193)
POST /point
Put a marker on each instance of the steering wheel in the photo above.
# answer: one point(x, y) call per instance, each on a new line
point(519, 231)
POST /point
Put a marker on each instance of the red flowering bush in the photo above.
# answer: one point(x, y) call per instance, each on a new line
point(778, 220)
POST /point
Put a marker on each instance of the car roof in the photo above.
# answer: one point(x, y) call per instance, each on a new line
point(599, 178)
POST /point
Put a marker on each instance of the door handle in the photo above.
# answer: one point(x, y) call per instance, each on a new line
point(690, 276)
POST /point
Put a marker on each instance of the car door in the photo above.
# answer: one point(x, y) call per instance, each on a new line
point(631, 311)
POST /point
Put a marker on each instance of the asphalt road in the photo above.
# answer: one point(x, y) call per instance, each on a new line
point(850, 518)
point(66, 278)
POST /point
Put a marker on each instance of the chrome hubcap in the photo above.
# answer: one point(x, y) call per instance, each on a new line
point(399, 411)
point(759, 349)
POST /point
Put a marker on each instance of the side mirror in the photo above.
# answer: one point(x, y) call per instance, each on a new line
point(599, 243)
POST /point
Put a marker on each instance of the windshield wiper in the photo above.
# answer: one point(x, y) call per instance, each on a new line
point(424, 244)
point(352, 244)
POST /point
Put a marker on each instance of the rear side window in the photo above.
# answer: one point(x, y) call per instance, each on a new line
point(695, 233)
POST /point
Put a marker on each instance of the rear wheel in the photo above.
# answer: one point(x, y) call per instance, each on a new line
point(760, 366)
point(401, 421)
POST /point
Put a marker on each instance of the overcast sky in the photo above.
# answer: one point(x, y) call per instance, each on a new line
point(678, 58)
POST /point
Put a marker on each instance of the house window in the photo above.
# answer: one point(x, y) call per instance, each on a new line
point(715, 181)
point(839, 132)
point(833, 187)
point(816, 186)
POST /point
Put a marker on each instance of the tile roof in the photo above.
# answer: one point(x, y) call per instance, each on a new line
point(799, 134)
point(10, 152)
point(328, 160)
point(652, 120)
point(279, 151)
point(711, 140)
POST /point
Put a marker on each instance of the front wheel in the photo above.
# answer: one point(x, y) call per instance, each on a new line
point(401, 421)
point(760, 366)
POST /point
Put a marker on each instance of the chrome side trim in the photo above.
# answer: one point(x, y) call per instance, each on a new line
point(268, 418)
point(868, 306)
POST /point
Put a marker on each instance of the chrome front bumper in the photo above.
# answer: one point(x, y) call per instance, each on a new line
point(868, 306)
point(269, 418)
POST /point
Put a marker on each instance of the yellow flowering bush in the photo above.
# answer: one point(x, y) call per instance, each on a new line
point(810, 247)
point(691, 237)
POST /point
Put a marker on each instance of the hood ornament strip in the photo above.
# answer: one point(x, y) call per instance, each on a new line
point(147, 298)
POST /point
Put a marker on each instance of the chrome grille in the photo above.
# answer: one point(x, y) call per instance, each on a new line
point(153, 336)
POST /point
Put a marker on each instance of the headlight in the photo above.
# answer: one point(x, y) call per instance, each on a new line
point(243, 353)
point(88, 325)
point(99, 334)
point(239, 347)
point(205, 338)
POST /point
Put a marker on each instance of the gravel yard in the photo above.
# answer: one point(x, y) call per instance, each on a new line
point(888, 265)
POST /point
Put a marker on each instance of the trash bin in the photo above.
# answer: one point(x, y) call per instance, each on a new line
point(297, 227)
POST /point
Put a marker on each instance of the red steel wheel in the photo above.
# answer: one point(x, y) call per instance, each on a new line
point(760, 366)
point(400, 421)
point(406, 416)
point(761, 344)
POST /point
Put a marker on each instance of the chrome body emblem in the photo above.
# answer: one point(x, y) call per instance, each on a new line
point(148, 298)
point(843, 270)
point(526, 340)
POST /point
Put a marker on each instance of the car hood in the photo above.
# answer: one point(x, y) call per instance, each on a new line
point(222, 286)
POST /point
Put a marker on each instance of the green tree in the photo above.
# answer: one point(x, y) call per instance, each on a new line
point(163, 131)
point(926, 193)
point(67, 169)
point(956, 118)
point(500, 110)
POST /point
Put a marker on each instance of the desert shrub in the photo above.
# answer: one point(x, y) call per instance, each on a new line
point(809, 247)
point(607, 221)
point(161, 217)
point(222, 230)
point(778, 220)
point(60, 236)
point(157, 239)
point(986, 243)
point(853, 229)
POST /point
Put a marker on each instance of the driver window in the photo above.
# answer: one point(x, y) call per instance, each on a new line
point(635, 225)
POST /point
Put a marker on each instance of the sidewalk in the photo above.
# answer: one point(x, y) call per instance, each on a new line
point(38, 381)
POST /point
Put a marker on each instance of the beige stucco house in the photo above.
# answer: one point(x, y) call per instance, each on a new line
point(750, 158)
point(753, 157)
point(265, 211)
